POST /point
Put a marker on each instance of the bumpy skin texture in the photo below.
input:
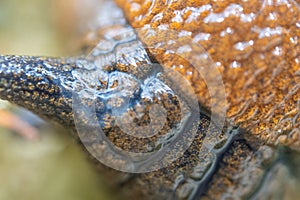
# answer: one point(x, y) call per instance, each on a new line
point(37, 84)
point(47, 86)
point(255, 45)
point(239, 158)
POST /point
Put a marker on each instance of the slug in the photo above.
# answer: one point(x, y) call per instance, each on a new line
point(114, 96)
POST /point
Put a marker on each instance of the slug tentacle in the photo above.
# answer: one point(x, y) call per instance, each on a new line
point(38, 84)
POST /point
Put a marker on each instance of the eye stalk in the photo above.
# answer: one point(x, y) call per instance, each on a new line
point(39, 84)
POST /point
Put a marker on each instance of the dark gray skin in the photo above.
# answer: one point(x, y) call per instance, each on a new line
point(48, 86)
point(43, 85)
point(35, 83)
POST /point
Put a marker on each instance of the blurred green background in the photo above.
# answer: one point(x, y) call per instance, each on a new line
point(52, 166)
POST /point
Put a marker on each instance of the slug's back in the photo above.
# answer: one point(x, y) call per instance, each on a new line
point(254, 44)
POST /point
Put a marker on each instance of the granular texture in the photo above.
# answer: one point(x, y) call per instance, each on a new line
point(254, 44)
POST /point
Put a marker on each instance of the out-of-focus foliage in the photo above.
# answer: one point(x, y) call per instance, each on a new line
point(27, 27)
point(51, 168)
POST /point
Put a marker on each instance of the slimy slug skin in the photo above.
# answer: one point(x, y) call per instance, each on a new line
point(254, 44)
point(141, 61)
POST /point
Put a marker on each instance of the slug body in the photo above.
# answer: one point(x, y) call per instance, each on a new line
point(253, 44)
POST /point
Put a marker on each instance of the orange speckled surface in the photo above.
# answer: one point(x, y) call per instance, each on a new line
point(255, 45)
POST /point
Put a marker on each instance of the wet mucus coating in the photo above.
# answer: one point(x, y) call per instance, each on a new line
point(256, 47)
point(199, 172)
point(47, 87)
point(36, 84)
